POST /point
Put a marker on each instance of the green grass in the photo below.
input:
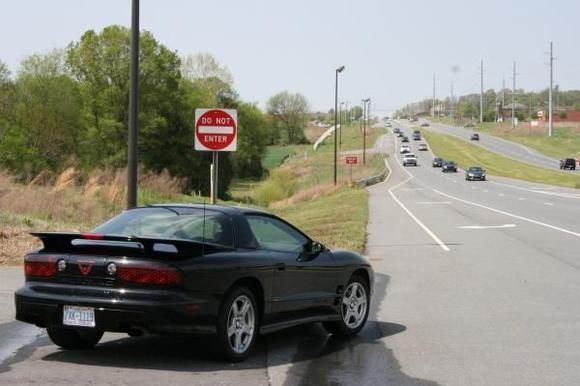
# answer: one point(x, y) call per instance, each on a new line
point(466, 154)
point(338, 220)
point(275, 155)
point(564, 143)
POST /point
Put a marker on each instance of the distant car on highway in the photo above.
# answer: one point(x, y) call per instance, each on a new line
point(425, 124)
point(405, 139)
point(469, 125)
point(396, 130)
point(400, 134)
point(475, 173)
point(568, 163)
point(422, 147)
point(416, 135)
point(437, 162)
point(449, 166)
point(475, 137)
point(405, 149)
point(409, 160)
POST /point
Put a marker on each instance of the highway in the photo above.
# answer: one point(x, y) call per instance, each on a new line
point(499, 145)
point(477, 283)
point(484, 276)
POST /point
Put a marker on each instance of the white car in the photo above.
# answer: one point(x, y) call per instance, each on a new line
point(409, 159)
point(422, 147)
point(405, 149)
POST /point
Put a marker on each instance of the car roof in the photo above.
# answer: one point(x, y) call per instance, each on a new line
point(226, 209)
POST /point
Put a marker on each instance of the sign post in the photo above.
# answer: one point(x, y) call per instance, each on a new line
point(351, 160)
point(215, 130)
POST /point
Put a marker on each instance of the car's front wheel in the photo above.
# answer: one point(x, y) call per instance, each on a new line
point(354, 308)
point(237, 324)
point(73, 338)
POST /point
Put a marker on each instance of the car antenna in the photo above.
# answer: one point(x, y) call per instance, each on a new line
point(203, 231)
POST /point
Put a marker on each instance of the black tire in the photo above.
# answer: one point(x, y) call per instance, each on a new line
point(224, 346)
point(74, 338)
point(341, 328)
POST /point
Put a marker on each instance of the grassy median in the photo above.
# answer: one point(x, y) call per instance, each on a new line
point(466, 154)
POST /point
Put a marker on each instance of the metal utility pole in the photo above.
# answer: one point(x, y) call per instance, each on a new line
point(481, 96)
point(452, 113)
point(366, 111)
point(550, 100)
point(340, 116)
point(514, 98)
point(502, 93)
point(133, 109)
point(433, 102)
point(337, 71)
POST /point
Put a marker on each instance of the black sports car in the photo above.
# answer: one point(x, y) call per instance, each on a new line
point(437, 162)
point(475, 173)
point(449, 166)
point(233, 272)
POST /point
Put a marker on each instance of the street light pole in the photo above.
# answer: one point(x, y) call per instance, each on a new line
point(365, 112)
point(337, 71)
point(133, 109)
point(340, 122)
point(550, 97)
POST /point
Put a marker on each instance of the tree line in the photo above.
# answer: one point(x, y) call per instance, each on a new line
point(69, 107)
point(468, 106)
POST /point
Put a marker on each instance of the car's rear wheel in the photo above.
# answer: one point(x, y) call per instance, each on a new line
point(237, 324)
point(73, 338)
point(354, 308)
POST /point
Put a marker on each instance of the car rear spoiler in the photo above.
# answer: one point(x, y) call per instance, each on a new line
point(63, 242)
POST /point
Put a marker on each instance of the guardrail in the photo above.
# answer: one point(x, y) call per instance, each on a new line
point(363, 183)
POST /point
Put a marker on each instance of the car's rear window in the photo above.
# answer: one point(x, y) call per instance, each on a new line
point(160, 222)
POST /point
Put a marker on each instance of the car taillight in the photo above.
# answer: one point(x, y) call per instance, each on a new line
point(40, 266)
point(148, 273)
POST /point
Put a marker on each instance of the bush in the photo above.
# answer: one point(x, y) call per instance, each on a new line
point(278, 186)
point(563, 115)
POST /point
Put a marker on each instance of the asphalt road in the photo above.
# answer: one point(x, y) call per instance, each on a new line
point(476, 284)
point(484, 275)
point(504, 147)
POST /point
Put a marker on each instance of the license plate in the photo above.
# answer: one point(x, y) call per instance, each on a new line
point(78, 316)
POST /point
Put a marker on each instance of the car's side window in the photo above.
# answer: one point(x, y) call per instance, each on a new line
point(276, 235)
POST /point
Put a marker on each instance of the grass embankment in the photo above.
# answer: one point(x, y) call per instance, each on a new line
point(466, 154)
point(564, 143)
point(302, 191)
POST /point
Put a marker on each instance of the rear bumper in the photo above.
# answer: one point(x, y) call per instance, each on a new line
point(155, 311)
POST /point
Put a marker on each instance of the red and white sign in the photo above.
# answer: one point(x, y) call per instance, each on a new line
point(216, 129)
point(351, 160)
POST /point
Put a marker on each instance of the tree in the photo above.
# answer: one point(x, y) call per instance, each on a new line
point(47, 111)
point(205, 66)
point(288, 112)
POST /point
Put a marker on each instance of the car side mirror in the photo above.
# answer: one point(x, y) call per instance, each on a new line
point(311, 250)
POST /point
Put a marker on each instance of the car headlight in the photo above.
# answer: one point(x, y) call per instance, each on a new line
point(470, 174)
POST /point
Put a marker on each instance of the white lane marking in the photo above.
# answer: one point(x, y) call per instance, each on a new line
point(522, 199)
point(549, 203)
point(427, 230)
point(510, 214)
point(538, 191)
point(485, 190)
point(413, 189)
point(488, 226)
point(433, 202)
point(501, 194)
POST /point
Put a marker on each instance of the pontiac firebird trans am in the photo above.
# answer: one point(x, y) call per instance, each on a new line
point(231, 272)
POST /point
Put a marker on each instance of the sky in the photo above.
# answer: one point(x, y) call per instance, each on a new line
point(391, 49)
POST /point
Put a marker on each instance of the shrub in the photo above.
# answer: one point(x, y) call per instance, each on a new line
point(278, 186)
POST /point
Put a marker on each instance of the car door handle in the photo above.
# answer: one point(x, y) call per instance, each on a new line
point(280, 266)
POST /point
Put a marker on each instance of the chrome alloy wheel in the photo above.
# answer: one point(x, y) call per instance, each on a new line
point(354, 305)
point(241, 324)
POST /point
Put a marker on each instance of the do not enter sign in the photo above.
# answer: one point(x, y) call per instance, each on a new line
point(216, 129)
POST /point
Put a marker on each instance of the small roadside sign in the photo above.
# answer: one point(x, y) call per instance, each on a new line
point(351, 160)
point(216, 129)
